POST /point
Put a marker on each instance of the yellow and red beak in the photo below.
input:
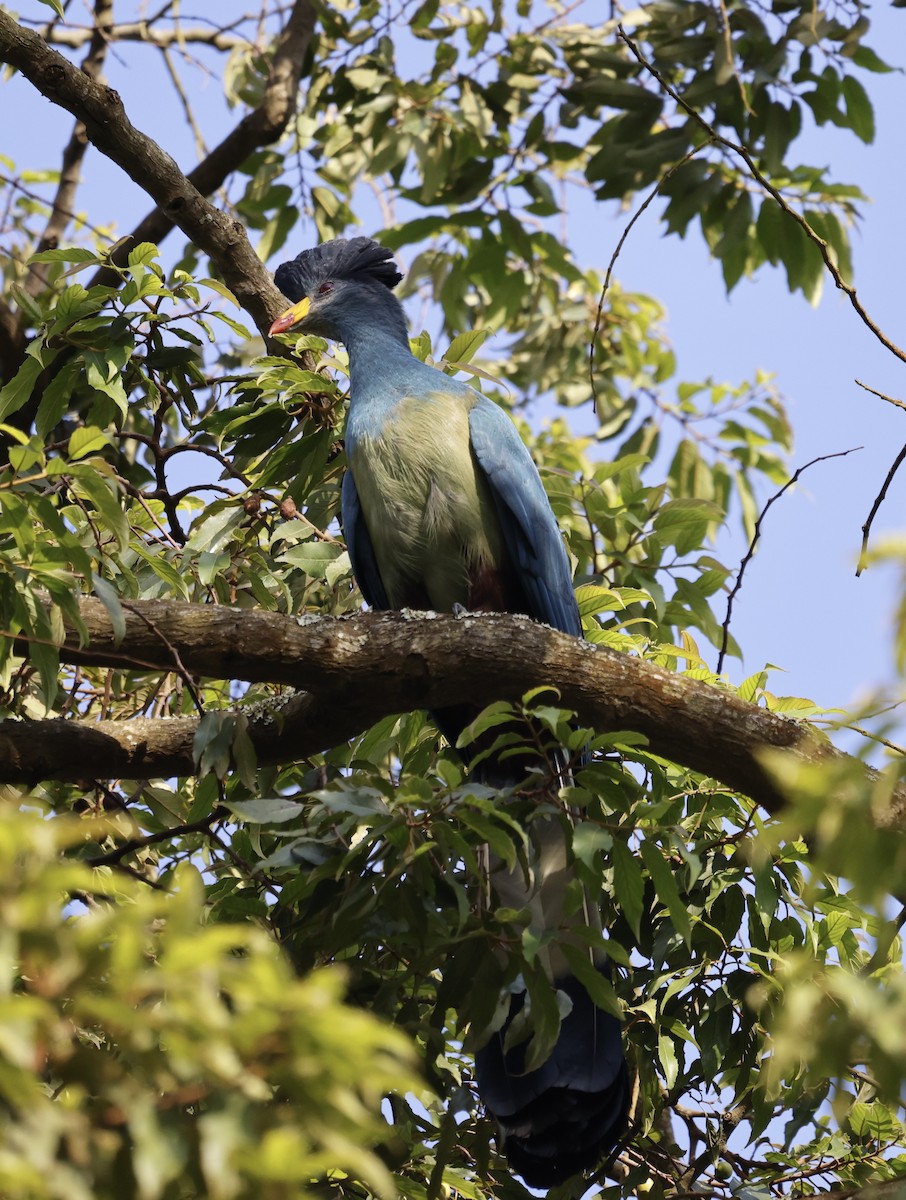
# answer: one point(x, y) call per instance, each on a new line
point(291, 317)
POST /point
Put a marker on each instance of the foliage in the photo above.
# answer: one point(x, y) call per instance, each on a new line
point(149, 1051)
point(155, 1041)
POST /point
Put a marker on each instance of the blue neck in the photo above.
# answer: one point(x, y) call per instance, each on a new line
point(373, 329)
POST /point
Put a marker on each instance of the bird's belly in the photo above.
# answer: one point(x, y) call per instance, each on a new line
point(429, 514)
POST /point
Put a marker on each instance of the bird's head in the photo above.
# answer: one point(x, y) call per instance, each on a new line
point(329, 282)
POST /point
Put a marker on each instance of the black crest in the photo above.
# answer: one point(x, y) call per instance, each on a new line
point(357, 258)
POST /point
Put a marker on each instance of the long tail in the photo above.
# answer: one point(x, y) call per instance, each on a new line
point(565, 1115)
point(562, 1117)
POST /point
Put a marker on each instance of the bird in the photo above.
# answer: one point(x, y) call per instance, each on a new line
point(443, 509)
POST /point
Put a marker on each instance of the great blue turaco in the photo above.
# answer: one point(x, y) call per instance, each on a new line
point(444, 509)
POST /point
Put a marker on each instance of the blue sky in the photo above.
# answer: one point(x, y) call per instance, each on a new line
point(801, 606)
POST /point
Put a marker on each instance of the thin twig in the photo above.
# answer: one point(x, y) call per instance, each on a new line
point(103, 235)
point(145, 31)
point(764, 182)
point(888, 935)
point(613, 258)
point(867, 733)
point(200, 144)
point(880, 395)
point(879, 500)
point(73, 154)
point(728, 50)
point(132, 846)
point(756, 534)
point(180, 666)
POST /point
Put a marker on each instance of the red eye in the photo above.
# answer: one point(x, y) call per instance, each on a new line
point(325, 288)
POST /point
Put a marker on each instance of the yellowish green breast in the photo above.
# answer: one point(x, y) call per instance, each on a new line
point(425, 502)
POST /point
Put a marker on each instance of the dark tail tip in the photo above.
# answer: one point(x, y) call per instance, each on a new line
point(563, 1117)
point(565, 1133)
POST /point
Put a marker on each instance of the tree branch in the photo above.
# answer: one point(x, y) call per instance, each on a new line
point(892, 1189)
point(110, 130)
point(143, 31)
point(823, 247)
point(750, 552)
point(257, 128)
point(352, 671)
point(73, 153)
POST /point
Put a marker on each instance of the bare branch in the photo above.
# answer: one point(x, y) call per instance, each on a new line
point(148, 747)
point(599, 316)
point(73, 153)
point(355, 670)
point(259, 127)
point(882, 494)
point(832, 269)
point(881, 395)
point(145, 31)
point(879, 500)
point(756, 534)
point(109, 128)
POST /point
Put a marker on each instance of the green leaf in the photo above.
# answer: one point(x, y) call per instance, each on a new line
point(57, 398)
point(266, 810)
point(103, 372)
point(868, 60)
point(667, 892)
point(598, 986)
point(19, 389)
point(500, 842)
point(111, 601)
point(666, 1053)
point(73, 254)
point(311, 557)
point(220, 288)
point(873, 1121)
point(212, 746)
point(94, 485)
point(589, 840)
point(544, 1013)
point(859, 111)
point(465, 346)
point(143, 255)
point(27, 305)
point(499, 713)
point(87, 439)
point(628, 885)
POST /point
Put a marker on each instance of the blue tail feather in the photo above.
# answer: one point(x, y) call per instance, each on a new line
point(563, 1117)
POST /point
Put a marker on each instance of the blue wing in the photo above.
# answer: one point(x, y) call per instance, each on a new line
point(530, 530)
point(360, 547)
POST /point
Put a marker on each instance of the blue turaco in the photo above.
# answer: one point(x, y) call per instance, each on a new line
point(443, 508)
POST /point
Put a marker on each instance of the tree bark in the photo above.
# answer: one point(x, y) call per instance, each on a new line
point(351, 671)
point(892, 1189)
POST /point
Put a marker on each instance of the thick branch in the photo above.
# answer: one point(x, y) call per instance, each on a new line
point(891, 1189)
point(354, 670)
point(257, 128)
point(101, 110)
point(148, 748)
